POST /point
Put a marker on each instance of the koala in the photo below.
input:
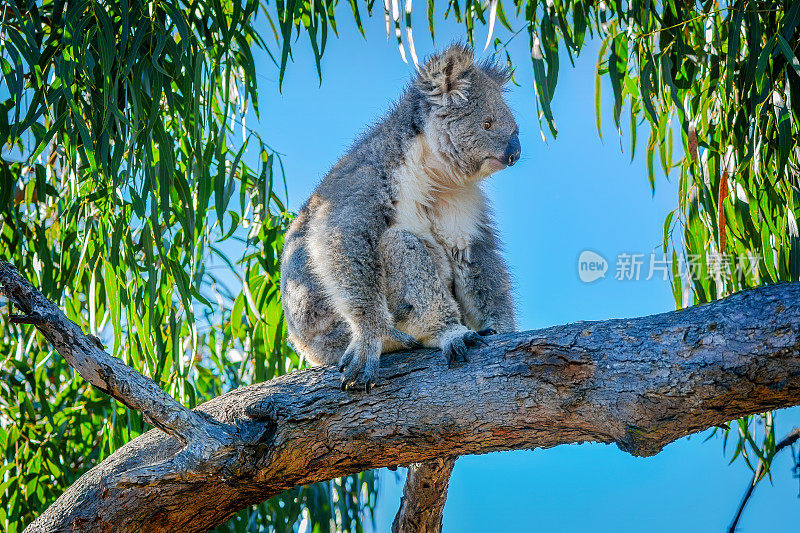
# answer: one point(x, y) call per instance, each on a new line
point(396, 247)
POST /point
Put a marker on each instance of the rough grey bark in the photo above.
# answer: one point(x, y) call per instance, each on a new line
point(640, 383)
point(424, 496)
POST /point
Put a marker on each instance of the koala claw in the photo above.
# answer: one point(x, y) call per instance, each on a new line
point(346, 359)
point(405, 339)
point(456, 349)
point(358, 384)
point(471, 338)
point(361, 357)
point(486, 332)
point(456, 352)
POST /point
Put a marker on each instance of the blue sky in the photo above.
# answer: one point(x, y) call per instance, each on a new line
point(565, 196)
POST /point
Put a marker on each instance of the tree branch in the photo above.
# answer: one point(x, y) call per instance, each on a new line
point(788, 440)
point(639, 383)
point(424, 496)
point(200, 435)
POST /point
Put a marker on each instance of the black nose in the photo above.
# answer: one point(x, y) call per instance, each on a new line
point(512, 150)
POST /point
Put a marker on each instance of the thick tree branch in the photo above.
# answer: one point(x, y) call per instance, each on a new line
point(424, 496)
point(639, 383)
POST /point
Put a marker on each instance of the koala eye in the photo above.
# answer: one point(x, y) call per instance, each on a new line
point(487, 124)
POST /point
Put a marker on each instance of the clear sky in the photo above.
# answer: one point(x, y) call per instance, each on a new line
point(566, 196)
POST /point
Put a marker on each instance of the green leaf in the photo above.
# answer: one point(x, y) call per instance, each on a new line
point(788, 54)
point(598, 85)
point(645, 88)
point(542, 89)
point(618, 73)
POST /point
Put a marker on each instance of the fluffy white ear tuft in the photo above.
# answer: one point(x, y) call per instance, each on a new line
point(442, 78)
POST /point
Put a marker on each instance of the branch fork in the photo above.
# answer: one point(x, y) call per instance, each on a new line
point(203, 438)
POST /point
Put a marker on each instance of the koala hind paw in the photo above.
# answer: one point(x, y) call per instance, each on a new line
point(455, 349)
point(405, 339)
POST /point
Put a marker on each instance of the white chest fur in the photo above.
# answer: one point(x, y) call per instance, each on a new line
point(441, 209)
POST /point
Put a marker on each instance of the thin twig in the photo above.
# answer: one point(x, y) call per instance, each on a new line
point(705, 15)
point(787, 441)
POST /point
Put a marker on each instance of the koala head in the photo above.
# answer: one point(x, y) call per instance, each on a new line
point(468, 123)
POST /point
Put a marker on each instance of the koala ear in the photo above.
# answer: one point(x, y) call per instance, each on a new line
point(442, 79)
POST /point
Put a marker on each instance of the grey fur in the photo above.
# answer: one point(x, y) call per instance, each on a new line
point(358, 275)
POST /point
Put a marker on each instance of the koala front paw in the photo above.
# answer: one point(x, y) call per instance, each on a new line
point(454, 345)
point(362, 353)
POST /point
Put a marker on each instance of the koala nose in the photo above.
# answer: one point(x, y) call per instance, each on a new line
point(513, 150)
